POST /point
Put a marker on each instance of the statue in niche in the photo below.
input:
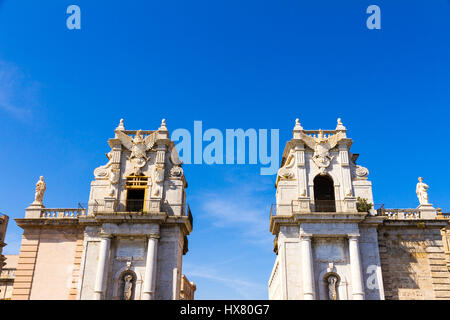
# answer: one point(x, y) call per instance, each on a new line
point(127, 285)
point(422, 192)
point(332, 282)
point(40, 191)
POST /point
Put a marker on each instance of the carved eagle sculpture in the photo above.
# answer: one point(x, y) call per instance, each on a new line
point(322, 147)
point(137, 145)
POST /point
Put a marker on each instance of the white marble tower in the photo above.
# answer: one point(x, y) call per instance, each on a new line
point(136, 226)
point(325, 236)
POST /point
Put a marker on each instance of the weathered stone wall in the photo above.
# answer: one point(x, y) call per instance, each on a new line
point(169, 265)
point(275, 281)
point(413, 260)
point(446, 242)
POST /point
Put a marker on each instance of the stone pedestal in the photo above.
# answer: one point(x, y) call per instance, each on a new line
point(110, 204)
point(350, 204)
point(427, 211)
point(34, 210)
point(303, 205)
point(155, 205)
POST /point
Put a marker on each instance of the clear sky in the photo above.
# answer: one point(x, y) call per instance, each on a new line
point(231, 64)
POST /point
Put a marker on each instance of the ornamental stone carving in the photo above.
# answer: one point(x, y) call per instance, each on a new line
point(361, 172)
point(158, 179)
point(286, 172)
point(176, 172)
point(102, 172)
point(138, 147)
point(322, 146)
point(114, 177)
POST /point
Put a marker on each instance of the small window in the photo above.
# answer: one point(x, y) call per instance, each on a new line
point(324, 194)
point(136, 186)
point(135, 200)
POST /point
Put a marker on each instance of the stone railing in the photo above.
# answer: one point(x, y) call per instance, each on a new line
point(315, 133)
point(398, 214)
point(134, 206)
point(67, 213)
point(7, 274)
point(307, 206)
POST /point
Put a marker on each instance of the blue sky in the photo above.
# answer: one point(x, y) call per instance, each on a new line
point(231, 64)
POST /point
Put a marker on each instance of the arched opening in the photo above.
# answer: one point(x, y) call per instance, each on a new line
point(324, 194)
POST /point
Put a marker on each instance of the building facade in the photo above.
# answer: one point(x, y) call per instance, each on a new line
point(3, 226)
point(126, 243)
point(333, 243)
point(7, 276)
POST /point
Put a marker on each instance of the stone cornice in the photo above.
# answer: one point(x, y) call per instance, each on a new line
point(419, 223)
point(161, 218)
point(46, 222)
point(316, 217)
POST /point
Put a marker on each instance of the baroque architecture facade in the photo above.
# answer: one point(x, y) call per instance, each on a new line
point(332, 243)
point(128, 241)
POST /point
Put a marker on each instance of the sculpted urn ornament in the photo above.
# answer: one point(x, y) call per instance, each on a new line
point(40, 191)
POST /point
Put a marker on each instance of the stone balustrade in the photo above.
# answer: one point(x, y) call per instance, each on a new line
point(7, 274)
point(66, 213)
point(398, 214)
point(315, 133)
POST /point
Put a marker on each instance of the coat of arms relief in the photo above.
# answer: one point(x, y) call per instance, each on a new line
point(322, 145)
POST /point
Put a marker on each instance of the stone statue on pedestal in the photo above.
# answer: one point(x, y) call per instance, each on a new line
point(422, 192)
point(40, 191)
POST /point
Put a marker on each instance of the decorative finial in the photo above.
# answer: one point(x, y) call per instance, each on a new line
point(297, 129)
point(121, 126)
point(163, 125)
point(340, 126)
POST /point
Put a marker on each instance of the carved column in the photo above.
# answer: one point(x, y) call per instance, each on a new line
point(102, 265)
point(303, 198)
point(307, 267)
point(355, 267)
point(150, 268)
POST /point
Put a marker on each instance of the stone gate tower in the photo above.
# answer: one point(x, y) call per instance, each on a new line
point(126, 243)
point(326, 248)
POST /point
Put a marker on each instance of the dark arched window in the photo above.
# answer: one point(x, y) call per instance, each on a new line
point(324, 194)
